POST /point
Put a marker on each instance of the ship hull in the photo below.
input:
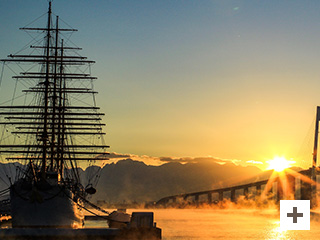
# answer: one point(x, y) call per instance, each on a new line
point(50, 208)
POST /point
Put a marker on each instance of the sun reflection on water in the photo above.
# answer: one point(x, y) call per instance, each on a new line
point(227, 224)
point(276, 233)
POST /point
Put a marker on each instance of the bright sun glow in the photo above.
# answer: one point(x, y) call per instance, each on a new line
point(279, 164)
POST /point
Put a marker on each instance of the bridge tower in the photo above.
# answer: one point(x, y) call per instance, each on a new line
point(313, 199)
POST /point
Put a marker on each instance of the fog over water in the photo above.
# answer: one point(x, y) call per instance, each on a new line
point(205, 224)
point(227, 224)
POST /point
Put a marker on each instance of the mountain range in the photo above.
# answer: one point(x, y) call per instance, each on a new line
point(129, 180)
point(133, 181)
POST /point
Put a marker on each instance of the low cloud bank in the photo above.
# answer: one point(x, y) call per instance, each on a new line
point(156, 161)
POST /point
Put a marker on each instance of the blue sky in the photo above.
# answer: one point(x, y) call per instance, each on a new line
point(229, 79)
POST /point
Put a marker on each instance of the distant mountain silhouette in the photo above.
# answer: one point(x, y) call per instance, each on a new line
point(129, 180)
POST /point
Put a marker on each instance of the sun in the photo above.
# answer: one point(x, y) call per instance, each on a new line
point(279, 164)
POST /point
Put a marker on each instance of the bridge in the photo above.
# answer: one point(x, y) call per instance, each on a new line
point(284, 185)
point(288, 185)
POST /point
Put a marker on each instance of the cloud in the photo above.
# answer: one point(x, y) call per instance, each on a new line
point(199, 160)
point(119, 155)
point(254, 162)
point(179, 160)
point(225, 160)
point(156, 161)
point(115, 157)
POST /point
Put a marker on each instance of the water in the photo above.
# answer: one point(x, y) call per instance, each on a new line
point(205, 224)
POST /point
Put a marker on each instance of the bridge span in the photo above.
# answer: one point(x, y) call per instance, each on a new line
point(288, 186)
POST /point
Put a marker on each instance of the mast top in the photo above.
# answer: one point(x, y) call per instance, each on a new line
point(57, 121)
point(49, 11)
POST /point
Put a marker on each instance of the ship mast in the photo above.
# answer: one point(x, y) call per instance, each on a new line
point(46, 101)
point(54, 97)
point(52, 122)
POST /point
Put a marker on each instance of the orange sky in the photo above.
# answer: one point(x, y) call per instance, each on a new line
point(227, 79)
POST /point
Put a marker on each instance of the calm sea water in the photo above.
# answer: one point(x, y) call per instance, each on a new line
point(205, 224)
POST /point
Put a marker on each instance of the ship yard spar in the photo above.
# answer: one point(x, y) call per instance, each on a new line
point(52, 129)
point(54, 134)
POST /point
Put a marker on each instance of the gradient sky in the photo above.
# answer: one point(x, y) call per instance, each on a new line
point(222, 78)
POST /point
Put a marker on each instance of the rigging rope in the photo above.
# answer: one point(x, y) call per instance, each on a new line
point(304, 154)
point(3, 192)
point(89, 203)
point(2, 70)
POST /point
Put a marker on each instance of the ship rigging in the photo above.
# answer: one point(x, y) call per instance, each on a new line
point(50, 129)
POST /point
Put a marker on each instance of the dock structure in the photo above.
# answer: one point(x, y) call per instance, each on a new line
point(287, 186)
point(141, 226)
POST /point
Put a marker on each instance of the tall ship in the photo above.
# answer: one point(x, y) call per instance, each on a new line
point(51, 128)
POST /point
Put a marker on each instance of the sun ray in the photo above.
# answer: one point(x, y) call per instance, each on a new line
point(301, 176)
point(269, 184)
point(286, 183)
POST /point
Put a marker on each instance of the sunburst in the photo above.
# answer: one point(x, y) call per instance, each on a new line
point(284, 176)
point(279, 164)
